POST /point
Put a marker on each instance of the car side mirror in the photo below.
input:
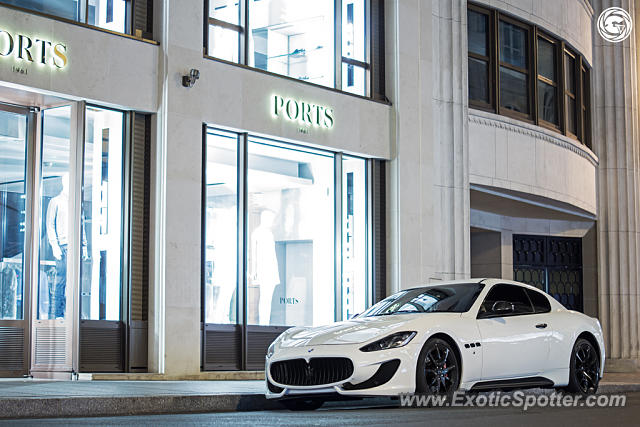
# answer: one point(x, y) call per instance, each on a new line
point(502, 307)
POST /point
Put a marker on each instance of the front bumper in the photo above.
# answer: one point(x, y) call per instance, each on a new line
point(367, 371)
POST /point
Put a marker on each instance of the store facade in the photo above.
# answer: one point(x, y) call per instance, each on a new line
point(227, 170)
point(69, 210)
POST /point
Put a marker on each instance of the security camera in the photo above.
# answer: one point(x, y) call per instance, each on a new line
point(190, 79)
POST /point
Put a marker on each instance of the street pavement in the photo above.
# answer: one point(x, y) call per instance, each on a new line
point(359, 415)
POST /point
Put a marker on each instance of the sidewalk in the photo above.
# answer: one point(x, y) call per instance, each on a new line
point(40, 399)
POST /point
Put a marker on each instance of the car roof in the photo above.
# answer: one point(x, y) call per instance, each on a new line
point(475, 281)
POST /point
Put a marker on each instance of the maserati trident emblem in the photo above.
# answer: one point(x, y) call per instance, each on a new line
point(614, 24)
point(308, 371)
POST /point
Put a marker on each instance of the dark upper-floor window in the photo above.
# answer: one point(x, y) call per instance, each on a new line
point(479, 56)
point(120, 16)
point(514, 67)
point(329, 43)
point(547, 80)
point(518, 70)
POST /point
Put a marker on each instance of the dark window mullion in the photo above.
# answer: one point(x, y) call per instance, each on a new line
point(479, 57)
point(243, 55)
point(225, 24)
point(562, 80)
point(205, 24)
point(533, 66)
point(496, 60)
point(579, 95)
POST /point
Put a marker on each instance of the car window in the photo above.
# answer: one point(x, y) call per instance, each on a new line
point(539, 300)
point(452, 298)
point(509, 293)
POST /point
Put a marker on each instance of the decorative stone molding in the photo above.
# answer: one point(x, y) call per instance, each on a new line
point(515, 126)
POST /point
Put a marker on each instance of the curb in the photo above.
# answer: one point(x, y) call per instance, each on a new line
point(123, 406)
point(59, 407)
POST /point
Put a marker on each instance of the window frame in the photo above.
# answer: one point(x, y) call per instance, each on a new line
point(491, 79)
point(567, 52)
point(585, 104)
point(530, 292)
point(339, 59)
point(489, 315)
point(243, 140)
point(129, 31)
point(528, 117)
point(582, 74)
point(556, 84)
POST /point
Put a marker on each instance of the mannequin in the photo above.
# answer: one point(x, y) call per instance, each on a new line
point(264, 264)
point(57, 231)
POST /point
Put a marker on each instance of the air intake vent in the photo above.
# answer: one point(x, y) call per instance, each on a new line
point(319, 371)
point(222, 349)
point(101, 346)
point(51, 344)
point(12, 345)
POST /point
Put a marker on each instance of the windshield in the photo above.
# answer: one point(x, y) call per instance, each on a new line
point(455, 298)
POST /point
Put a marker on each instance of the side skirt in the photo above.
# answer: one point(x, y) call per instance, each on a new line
point(529, 382)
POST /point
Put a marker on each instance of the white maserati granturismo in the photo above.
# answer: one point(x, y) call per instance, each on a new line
point(475, 334)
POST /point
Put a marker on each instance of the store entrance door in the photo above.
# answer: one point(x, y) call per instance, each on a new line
point(54, 306)
point(16, 148)
point(39, 205)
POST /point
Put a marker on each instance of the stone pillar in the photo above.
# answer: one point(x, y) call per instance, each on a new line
point(615, 114)
point(428, 191)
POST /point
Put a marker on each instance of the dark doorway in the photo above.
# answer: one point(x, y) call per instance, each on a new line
point(552, 264)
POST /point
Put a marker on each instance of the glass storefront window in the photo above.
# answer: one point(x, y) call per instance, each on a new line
point(290, 253)
point(224, 30)
point(288, 231)
point(223, 43)
point(294, 38)
point(225, 10)
point(107, 14)
point(102, 192)
point(55, 213)
point(354, 30)
point(13, 154)
point(221, 228)
point(354, 237)
point(354, 79)
point(68, 9)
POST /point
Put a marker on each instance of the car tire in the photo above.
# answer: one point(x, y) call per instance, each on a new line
point(584, 368)
point(438, 369)
point(302, 404)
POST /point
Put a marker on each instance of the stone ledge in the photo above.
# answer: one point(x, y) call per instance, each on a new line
point(621, 366)
point(537, 132)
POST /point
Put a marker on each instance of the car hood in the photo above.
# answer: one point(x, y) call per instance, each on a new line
point(358, 330)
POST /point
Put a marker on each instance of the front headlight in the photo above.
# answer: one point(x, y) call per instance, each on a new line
point(396, 340)
point(271, 349)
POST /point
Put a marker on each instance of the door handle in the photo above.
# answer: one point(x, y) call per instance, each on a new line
point(541, 325)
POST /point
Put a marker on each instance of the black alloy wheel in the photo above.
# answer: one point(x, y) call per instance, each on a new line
point(584, 372)
point(438, 370)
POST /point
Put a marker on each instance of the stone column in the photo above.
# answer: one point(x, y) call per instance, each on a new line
point(615, 131)
point(428, 191)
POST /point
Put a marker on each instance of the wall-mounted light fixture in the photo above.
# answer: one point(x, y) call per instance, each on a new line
point(190, 79)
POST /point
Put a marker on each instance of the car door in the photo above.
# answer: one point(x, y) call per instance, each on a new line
point(515, 342)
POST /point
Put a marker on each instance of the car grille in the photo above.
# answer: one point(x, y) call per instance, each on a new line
point(319, 370)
